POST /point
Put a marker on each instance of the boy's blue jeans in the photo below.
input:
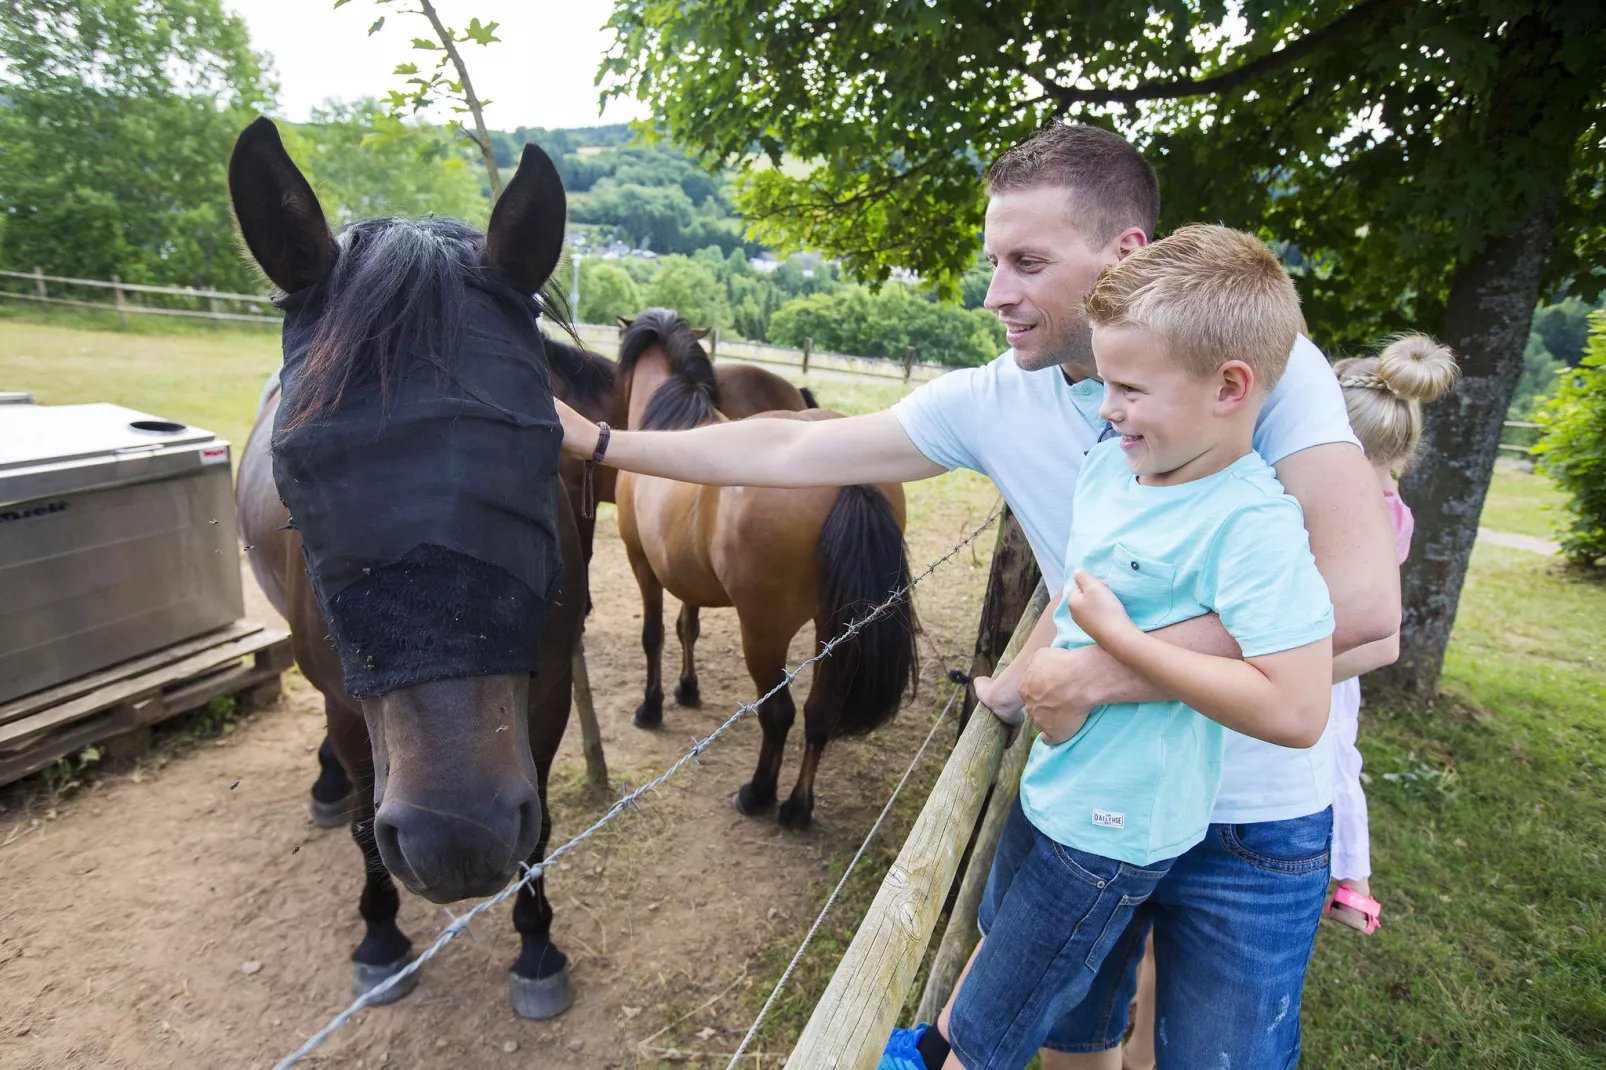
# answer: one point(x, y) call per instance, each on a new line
point(1235, 923)
point(1049, 927)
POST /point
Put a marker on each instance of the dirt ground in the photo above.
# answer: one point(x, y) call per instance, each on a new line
point(189, 914)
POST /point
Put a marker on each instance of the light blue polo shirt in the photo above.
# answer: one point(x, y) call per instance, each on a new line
point(1138, 782)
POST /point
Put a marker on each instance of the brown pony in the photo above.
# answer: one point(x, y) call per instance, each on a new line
point(781, 557)
point(450, 758)
point(589, 383)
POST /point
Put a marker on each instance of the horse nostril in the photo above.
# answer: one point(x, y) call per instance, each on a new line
point(530, 822)
point(388, 838)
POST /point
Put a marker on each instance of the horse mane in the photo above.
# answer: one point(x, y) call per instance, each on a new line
point(690, 396)
point(590, 376)
point(397, 294)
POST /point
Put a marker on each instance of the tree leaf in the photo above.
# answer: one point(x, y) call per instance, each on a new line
point(426, 44)
point(379, 22)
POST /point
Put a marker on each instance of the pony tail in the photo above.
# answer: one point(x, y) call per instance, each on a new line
point(1417, 368)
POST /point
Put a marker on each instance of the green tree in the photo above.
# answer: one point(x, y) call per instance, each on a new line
point(356, 176)
point(649, 217)
point(691, 288)
point(1564, 328)
point(1433, 165)
point(1538, 379)
point(116, 117)
point(606, 293)
point(1573, 451)
point(855, 321)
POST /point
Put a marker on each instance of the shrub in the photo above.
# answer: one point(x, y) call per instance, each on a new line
point(1573, 450)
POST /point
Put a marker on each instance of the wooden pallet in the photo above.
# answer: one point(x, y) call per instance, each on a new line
point(38, 729)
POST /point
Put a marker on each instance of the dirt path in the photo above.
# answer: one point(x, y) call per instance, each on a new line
point(191, 915)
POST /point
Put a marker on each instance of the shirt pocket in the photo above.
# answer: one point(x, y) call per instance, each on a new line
point(1143, 585)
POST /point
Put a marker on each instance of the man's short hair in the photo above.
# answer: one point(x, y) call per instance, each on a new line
point(1112, 186)
point(1210, 294)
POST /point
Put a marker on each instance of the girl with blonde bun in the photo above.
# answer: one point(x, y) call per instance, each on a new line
point(1384, 395)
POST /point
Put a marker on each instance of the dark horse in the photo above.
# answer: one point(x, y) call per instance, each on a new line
point(425, 550)
point(782, 557)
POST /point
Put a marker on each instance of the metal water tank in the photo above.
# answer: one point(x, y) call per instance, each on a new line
point(117, 538)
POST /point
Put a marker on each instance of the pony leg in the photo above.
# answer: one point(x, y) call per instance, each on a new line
point(687, 629)
point(331, 792)
point(384, 949)
point(797, 812)
point(539, 986)
point(650, 714)
point(766, 663)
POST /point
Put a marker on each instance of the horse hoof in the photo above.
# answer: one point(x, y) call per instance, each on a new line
point(794, 815)
point(749, 802)
point(545, 997)
point(332, 815)
point(688, 694)
point(650, 715)
point(366, 978)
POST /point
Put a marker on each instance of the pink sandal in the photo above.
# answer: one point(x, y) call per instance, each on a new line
point(1346, 896)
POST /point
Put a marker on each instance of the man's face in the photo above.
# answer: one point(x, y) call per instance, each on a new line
point(1043, 268)
point(1165, 416)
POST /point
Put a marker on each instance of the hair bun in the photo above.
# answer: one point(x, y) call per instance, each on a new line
point(1417, 368)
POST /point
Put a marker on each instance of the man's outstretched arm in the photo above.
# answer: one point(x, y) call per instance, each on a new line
point(762, 452)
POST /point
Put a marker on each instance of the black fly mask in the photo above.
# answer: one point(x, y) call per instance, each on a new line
point(416, 443)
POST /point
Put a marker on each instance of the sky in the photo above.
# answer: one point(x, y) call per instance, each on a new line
point(541, 73)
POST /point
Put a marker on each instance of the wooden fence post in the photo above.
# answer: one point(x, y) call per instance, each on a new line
point(959, 938)
point(585, 707)
point(39, 288)
point(908, 362)
point(808, 344)
point(851, 1023)
point(1010, 583)
point(211, 304)
point(117, 296)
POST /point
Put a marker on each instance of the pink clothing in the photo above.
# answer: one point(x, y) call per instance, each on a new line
point(1404, 523)
point(1352, 858)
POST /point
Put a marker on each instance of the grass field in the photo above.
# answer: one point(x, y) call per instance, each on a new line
point(1488, 809)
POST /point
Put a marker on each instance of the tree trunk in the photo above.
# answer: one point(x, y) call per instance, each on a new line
point(1487, 317)
point(1488, 313)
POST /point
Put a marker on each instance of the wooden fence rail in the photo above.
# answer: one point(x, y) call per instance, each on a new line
point(850, 1025)
point(123, 307)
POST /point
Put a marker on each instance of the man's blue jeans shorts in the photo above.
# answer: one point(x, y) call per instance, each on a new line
point(1049, 930)
point(1234, 921)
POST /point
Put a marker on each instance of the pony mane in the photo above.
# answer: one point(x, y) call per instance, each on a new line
point(396, 295)
point(690, 396)
point(589, 376)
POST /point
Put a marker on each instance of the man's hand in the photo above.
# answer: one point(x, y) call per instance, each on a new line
point(579, 434)
point(1003, 700)
point(1095, 609)
point(1054, 706)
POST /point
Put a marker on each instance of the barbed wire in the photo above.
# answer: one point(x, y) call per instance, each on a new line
point(831, 899)
point(460, 922)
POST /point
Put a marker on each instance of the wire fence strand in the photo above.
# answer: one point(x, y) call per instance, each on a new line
point(831, 899)
point(460, 923)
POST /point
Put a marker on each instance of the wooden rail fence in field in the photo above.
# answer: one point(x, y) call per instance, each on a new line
point(124, 307)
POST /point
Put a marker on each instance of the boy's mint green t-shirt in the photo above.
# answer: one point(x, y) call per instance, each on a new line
point(1138, 781)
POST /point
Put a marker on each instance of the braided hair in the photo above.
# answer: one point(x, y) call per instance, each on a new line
point(1385, 394)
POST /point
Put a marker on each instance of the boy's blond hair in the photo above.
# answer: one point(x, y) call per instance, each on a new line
point(1211, 294)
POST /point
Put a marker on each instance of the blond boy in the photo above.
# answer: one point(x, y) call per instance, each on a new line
point(1175, 518)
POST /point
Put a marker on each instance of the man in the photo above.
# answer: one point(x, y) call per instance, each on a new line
point(1235, 918)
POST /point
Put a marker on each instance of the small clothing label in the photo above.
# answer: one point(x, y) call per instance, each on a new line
point(1105, 819)
point(214, 454)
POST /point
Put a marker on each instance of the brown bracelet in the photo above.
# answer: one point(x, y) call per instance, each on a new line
point(603, 433)
point(588, 494)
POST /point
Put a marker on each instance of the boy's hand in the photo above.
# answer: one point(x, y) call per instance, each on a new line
point(579, 434)
point(1094, 607)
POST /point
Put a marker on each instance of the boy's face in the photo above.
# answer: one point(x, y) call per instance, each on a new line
point(1166, 417)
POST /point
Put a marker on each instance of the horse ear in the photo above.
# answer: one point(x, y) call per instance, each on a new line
point(525, 237)
point(625, 322)
point(278, 214)
point(699, 333)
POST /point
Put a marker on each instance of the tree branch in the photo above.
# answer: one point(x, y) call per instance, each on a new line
point(1357, 17)
point(482, 138)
